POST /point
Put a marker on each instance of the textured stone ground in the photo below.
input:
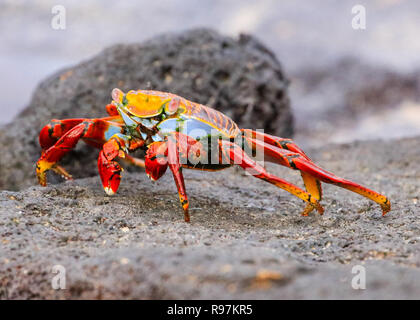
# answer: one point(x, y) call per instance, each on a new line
point(246, 238)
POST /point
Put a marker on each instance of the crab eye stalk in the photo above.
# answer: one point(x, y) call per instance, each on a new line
point(172, 106)
point(117, 95)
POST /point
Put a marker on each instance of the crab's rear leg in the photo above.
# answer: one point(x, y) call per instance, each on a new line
point(236, 155)
point(312, 185)
point(282, 143)
point(300, 162)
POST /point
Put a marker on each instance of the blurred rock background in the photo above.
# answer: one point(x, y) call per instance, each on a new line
point(346, 84)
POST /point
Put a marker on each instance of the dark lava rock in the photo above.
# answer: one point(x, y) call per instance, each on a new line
point(240, 77)
point(246, 239)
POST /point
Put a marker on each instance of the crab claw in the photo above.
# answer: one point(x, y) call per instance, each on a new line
point(110, 173)
point(155, 161)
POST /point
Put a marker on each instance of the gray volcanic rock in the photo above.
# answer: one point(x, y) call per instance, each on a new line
point(246, 239)
point(240, 77)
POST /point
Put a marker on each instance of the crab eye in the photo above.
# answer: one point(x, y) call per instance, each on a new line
point(172, 106)
point(117, 95)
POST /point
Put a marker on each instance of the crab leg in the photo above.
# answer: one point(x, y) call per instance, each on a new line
point(62, 172)
point(97, 129)
point(162, 154)
point(176, 168)
point(60, 136)
point(281, 143)
point(48, 159)
point(159, 156)
point(236, 155)
point(312, 185)
point(300, 162)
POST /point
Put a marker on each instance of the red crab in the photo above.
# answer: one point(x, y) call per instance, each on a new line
point(178, 133)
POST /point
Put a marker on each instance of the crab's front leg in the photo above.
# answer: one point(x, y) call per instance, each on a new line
point(176, 168)
point(60, 136)
point(54, 150)
point(109, 169)
point(166, 153)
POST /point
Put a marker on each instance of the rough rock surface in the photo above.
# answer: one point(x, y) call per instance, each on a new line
point(241, 77)
point(246, 238)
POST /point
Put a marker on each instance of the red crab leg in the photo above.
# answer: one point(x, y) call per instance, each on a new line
point(159, 156)
point(60, 136)
point(53, 131)
point(48, 159)
point(176, 168)
point(299, 162)
point(312, 185)
point(282, 143)
point(236, 155)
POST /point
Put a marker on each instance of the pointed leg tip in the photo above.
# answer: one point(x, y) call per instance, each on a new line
point(186, 217)
point(320, 209)
point(42, 180)
point(385, 211)
point(109, 191)
point(312, 206)
point(386, 207)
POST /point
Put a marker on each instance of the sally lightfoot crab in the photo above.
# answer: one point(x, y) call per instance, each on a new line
point(178, 133)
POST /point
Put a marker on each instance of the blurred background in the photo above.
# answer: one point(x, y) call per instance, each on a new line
point(345, 84)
